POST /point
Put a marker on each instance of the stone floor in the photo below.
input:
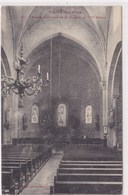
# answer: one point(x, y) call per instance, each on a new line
point(40, 185)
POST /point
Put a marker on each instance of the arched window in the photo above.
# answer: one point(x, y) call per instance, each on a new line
point(61, 115)
point(35, 114)
point(88, 114)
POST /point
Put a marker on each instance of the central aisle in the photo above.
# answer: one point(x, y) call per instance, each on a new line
point(40, 185)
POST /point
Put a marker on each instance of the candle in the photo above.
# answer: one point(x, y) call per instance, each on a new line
point(39, 69)
point(47, 76)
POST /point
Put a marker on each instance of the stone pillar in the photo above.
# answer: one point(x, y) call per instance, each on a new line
point(15, 117)
point(6, 121)
point(104, 112)
point(115, 106)
point(2, 118)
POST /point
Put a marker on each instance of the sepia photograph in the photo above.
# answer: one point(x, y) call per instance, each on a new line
point(61, 100)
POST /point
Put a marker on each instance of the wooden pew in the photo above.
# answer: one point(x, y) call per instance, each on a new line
point(93, 165)
point(36, 158)
point(90, 170)
point(31, 162)
point(88, 177)
point(34, 161)
point(17, 174)
point(51, 192)
point(24, 166)
point(83, 187)
point(24, 163)
point(89, 161)
point(8, 185)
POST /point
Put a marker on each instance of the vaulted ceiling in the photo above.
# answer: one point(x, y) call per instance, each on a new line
point(97, 29)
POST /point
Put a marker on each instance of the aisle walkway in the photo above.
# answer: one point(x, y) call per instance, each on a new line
point(40, 185)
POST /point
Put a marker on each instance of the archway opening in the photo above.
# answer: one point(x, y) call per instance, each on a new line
point(75, 82)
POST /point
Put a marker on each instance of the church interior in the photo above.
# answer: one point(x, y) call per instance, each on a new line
point(61, 100)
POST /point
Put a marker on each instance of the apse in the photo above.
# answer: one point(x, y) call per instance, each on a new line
point(74, 82)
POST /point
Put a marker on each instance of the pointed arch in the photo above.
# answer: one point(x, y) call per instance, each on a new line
point(115, 73)
point(83, 51)
point(5, 68)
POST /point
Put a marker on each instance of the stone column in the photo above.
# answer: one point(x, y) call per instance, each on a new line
point(2, 118)
point(115, 106)
point(103, 85)
point(15, 117)
point(4, 132)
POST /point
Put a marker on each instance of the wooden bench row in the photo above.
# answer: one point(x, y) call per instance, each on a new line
point(88, 177)
point(93, 165)
point(8, 183)
point(90, 170)
point(92, 187)
point(83, 194)
point(21, 168)
point(90, 161)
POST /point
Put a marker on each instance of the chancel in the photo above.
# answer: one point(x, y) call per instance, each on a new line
point(61, 100)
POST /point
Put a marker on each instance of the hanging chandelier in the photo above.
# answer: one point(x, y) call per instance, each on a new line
point(23, 86)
